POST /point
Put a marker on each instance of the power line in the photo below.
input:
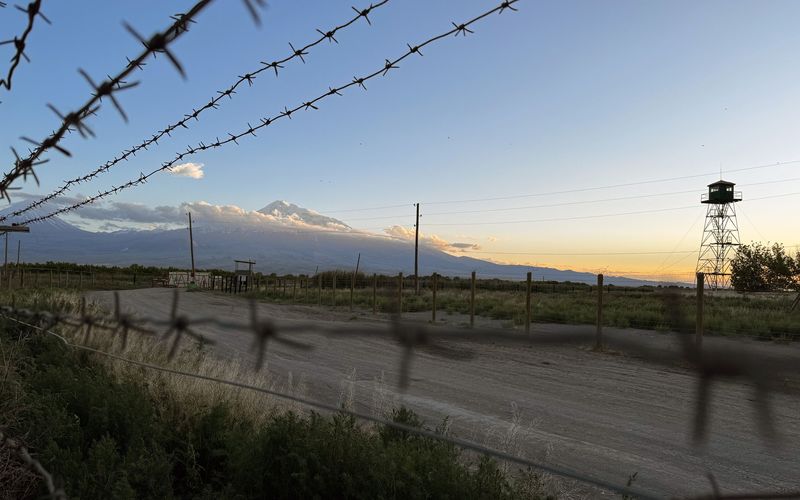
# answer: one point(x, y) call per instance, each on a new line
point(596, 216)
point(588, 188)
point(536, 254)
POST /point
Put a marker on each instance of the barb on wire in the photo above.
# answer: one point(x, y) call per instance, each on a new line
point(465, 444)
point(158, 43)
point(33, 11)
point(709, 361)
point(22, 452)
point(265, 122)
point(213, 103)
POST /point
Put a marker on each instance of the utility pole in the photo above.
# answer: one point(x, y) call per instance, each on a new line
point(416, 252)
point(191, 243)
point(13, 228)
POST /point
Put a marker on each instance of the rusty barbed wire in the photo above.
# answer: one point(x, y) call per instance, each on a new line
point(74, 120)
point(21, 451)
point(388, 65)
point(709, 362)
point(33, 11)
point(213, 103)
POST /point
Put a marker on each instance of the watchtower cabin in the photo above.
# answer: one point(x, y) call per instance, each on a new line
point(721, 192)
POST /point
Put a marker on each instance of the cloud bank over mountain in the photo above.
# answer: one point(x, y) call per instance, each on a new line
point(281, 237)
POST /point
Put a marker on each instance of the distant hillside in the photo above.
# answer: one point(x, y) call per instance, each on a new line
point(291, 239)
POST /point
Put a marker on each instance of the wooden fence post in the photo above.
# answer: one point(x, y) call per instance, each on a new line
point(92, 277)
point(51, 278)
point(80, 280)
point(294, 290)
point(334, 289)
point(528, 304)
point(433, 302)
point(22, 278)
point(472, 302)
point(319, 288)
point(352, 290)
point(598, 343)
point(399, 294)
point(700, 303)
point(374, 293)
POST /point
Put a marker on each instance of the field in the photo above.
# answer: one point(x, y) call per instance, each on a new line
point(766, 316)
point(605, 414)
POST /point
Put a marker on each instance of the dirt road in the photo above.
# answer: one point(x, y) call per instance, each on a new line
point(604, 415)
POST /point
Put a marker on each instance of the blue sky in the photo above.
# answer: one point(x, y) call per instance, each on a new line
point(558, 96)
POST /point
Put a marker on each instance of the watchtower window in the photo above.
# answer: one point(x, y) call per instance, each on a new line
point(729, 188)
point(714, 189)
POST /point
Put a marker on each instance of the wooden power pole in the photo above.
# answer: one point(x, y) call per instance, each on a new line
point(191, 243)
point(416, 253)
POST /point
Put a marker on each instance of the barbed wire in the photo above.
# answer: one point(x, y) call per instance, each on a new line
point(74, 120)
point(33, 10)
point(213, 103)
point(710, 361)
point(21, 451)
point(462, 443)
point(458, 29)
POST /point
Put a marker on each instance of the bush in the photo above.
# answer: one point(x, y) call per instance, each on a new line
point(107, 436)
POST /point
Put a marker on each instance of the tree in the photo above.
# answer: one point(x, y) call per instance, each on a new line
point(761, 268)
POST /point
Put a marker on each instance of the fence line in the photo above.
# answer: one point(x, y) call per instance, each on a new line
point(710, 362)
point(388, 65)
point(213, 103)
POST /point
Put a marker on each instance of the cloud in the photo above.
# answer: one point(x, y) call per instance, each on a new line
point(491, 239)
point(131, 212)
point(191, 170)
point(405, 233)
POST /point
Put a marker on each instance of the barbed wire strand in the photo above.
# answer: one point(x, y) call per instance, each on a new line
point(468, 445)
point(33, 11)
point(213, 103)
point(74, 120)
point(710, 362)
point(22, 452)
point(458, 29)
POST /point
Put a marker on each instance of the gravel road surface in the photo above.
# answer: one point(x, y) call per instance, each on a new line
point(604, 415)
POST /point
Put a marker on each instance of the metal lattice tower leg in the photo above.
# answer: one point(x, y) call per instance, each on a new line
point(719, 244)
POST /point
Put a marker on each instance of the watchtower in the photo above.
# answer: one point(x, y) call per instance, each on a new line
point(720, 234)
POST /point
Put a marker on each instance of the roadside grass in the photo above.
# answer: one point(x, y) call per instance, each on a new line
point(763, 316)
point(111, 430)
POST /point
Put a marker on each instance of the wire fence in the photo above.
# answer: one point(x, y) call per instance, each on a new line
point(159, 43)
point(711, 363)
point(214, 103)
point(33, 12)
point(387, 66)
point(517, 303)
